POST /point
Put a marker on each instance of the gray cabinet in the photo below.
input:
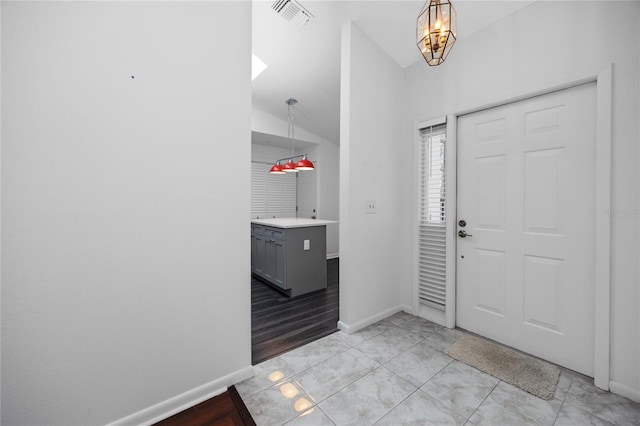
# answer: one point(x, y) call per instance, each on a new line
point(257, 253)
point(268, 254)
point(275, 262)
point(292, 259)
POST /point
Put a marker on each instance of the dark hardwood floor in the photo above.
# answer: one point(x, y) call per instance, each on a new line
point(280, 323)
point(226, 409)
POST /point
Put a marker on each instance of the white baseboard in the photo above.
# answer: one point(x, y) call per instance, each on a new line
point(178, 403)
point(343, 326)
point(432, 314)
point(332, 255)
point(408, 309)
point(624, 390)
point(352, 328)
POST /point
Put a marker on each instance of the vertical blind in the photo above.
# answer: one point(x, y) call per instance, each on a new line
point(432, 213)
point(272, 195)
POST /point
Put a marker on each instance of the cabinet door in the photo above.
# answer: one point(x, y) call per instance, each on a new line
point(258, 261)
point(253, 253)
point(280, 264)
point(270, 260)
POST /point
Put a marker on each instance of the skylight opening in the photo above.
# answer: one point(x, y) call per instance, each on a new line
point(257, 66)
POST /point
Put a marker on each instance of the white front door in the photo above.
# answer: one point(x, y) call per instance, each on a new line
point(526, 189)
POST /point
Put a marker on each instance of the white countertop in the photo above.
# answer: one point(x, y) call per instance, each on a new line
point(292, 222)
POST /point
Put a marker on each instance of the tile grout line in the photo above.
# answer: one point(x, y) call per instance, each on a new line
point(395, 406)
point(291, 377)
point(555, 419)
point(439, 371)
point(317, 403)
point(372, 370)
point(403, 400)
point(326, 415)
point(483, 401)
point(582, 410)
point(333, 356)
point(345, 386)
point(318, 363)
point(364, 375)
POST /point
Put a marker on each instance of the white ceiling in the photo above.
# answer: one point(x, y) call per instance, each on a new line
point(304, 62)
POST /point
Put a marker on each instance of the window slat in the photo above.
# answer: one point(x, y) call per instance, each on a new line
point(432, 213)
point(272, 195)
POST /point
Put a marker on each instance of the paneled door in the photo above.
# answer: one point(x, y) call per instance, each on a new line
point(526, 225)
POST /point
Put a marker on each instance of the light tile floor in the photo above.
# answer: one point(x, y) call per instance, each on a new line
point(395, 372)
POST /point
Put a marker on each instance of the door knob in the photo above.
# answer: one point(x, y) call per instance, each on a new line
point(463, 234)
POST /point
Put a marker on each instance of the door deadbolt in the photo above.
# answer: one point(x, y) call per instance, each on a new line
point(462, 223)
point(463, 234)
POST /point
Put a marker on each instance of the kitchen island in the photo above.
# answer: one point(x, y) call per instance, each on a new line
point(290, 253)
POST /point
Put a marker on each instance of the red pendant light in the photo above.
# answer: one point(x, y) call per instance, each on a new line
point(277, 169)
point(290, 167)
point(304, 164)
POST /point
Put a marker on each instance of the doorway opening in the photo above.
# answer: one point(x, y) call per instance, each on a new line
point(281, 322)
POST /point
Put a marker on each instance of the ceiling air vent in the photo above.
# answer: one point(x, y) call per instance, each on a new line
point(292, 11)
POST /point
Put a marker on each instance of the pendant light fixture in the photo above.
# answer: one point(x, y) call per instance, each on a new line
point(277, 169)
point(290, 166)
point(304, 164)
point(436, 30)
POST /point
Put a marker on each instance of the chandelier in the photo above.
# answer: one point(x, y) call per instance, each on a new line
point(290, 166)
point(436, 30)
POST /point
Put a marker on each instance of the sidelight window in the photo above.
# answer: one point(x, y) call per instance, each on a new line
point(432, 217)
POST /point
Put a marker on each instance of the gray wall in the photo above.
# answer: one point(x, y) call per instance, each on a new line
point(375, 249)
point(124, 282)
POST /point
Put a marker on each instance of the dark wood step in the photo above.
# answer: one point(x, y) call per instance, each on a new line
point(226, 409)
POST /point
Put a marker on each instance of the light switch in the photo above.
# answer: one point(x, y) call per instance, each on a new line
point(370, 207)
point(307, 244)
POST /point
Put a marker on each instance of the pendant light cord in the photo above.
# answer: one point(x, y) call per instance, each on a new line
point(290, 103)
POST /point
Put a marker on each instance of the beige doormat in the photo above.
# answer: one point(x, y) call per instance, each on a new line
point(530, 374)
